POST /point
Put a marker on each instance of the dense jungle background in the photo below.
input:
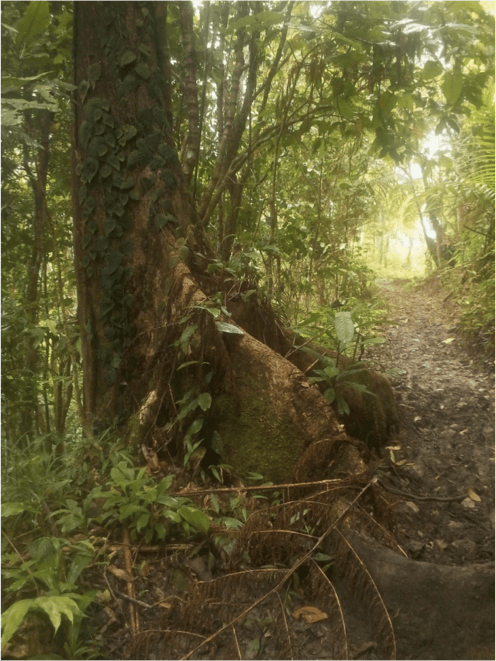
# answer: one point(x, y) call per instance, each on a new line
point(247, 330)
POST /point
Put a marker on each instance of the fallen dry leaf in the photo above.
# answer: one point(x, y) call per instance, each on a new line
point(310, 614)
point(449, 340)
point(473, 496)
point(441, 544)
point(119, 573)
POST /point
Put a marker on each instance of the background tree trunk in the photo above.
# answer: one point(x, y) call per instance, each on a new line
point(39, 127)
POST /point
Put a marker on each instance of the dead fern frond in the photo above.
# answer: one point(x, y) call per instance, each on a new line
point(286, 645)
point(278, 610)
point(326, 598)
point(236, 642)
point(279, 584)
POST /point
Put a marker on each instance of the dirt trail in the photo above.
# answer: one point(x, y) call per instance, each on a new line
point(445, 450)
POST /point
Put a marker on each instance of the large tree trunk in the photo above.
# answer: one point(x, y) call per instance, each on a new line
point(140, 262)
point(132, 217)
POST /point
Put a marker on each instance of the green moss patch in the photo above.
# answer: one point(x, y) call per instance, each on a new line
point(254, 439)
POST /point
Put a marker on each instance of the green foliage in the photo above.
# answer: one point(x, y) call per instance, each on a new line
point(338, 378)
point(34, 484)
point(467, 197)
point(147, 508)
point(35, 480)
point(32, 40)
point(54, 606)
point(347, 331)
point(52, 571)
point(290, 189)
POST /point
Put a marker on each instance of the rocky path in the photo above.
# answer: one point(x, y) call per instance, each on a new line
point(442, 462)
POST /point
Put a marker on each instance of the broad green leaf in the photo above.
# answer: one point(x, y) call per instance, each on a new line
point(330, 395)
point(359, 387)
point(374, 340)
point(224, 327)
point(173, 262)
point(172, 516)
point(22, 104)
point(41, 548)
point(35, 20)
point(13, 617)
point(345, 328)
point(54, 606)
point(20, 82)
point(231, 523)
point(11, 509)
point(187, 364)
point(387, 101)
point(350, 42)
point(80, 562)
point(186, 335)
point(215, 503)
point(94, 73)
point(57, 606)
point(196, 518)
point(168, 501)
point(183, 253)
point(331, 372)
point(10, 117)
point(345, 108)
point(129, 510)
point(143, 521)
point(343, 407)
point(431, 70)
point(160, 530)
point(164, 485)
point(215, 312)
point(196, 425)
point(452, 87)
point(127, 57)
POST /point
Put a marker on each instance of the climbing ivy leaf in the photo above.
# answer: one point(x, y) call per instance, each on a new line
point(127, 57)
point(94, 73)
point(106, 171)
point(205, 401)
point(90, 168)
point(84, 134)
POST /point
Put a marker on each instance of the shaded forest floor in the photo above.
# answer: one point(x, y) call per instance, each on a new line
point(444, 454)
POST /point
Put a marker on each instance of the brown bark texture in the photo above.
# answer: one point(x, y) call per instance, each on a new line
point(140, 260)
